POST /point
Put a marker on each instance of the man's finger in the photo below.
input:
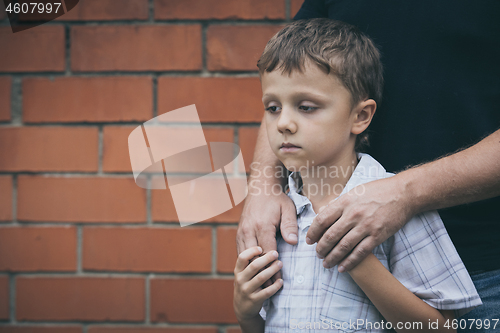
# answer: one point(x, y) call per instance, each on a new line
point(323, 221)
point(332, 236)
point(343, 248)
point(357, 255)
point(245, 238)
point(288, 225)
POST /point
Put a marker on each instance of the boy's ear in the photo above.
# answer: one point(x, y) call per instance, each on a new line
point(363, 115)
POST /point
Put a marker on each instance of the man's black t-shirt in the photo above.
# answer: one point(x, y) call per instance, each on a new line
point(442, 92)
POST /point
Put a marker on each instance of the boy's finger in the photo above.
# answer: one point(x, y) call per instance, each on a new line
point(269, 291)
point(245, 257)
point(259, 263)
point(258, 280)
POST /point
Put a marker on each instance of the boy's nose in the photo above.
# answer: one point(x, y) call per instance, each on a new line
point(286, 122)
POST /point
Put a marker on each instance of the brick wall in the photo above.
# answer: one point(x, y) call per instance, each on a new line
point(82, 248)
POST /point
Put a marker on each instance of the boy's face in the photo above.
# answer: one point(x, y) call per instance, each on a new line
point(311, 111)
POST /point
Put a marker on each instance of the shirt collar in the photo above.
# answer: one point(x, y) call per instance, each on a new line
point(368, 169)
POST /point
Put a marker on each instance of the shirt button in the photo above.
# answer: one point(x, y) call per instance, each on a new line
point(300, 279)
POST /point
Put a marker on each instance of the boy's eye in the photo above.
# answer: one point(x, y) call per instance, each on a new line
point(272, 109)
point(306, 108)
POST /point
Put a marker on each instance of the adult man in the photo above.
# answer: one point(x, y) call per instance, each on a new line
point(443, 57)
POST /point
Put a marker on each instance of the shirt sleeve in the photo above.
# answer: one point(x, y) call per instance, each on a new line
point(424, 259)
point(312, 9)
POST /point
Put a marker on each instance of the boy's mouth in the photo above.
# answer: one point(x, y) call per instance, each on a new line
point(289, 147)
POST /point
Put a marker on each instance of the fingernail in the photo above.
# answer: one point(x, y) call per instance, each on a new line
point(260, 249)
point(326, 265)
point(308, 240)
point(319, 256)
point(341, 269)
point(275, 254)
point(292, 237)
point(280, 280)
point(280, 264)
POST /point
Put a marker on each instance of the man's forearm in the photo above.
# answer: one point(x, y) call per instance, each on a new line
point(469, 175)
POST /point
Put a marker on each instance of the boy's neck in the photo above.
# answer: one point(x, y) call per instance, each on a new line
point(322, 184)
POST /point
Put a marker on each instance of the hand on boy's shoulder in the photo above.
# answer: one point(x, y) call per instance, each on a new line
point(349, 228)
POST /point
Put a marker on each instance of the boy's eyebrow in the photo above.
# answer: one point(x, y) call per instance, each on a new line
point(297, 95)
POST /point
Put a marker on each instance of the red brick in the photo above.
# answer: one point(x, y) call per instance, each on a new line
point(136, 48)
point(163, 209)
point(237, 47)
point(295, 6)
point(247, 139)
point(124, 329)
point(4, 298)
point(5, 198)
point(87, 99)
point(5, 92)
point(80, 199)
point(40, 329)
point(116, 156)
point(32, 50)
point(148, 249)
point(233, 330)
point(106, 10)
point(192, 300)
point(32, 249)
point(218, 99)
point(48, 149)
point(80, 298)
point(226, 249)
point(219, 9)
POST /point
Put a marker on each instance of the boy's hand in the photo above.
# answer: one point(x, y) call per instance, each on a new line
point(249, 276)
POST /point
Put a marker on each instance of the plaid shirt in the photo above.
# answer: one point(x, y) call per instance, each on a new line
point(420, 255)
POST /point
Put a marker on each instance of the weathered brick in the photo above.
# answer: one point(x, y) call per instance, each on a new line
point(5, 92)
point(219, 9)
point(226, 249)
point(107, 10)
point(192, 300)
point(219, 99)
point(4, 297)
point(87, 99)
point(135, 329)
point(147, 249)
point(247, 138)
point(31, 249)
point(237, 47)
point(33, 50)
point(136, 48)
point(116, 156)
point(295, 6)
point(48, 149)
point(80, 199)
point(40, 329)
point(163, 209)
point(5, 198)
point(80, 298)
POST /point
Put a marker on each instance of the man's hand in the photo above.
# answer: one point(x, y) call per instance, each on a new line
point(263, 215)
point(349, 228)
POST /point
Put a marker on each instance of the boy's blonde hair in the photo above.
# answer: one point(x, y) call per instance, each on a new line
point(336, 47)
